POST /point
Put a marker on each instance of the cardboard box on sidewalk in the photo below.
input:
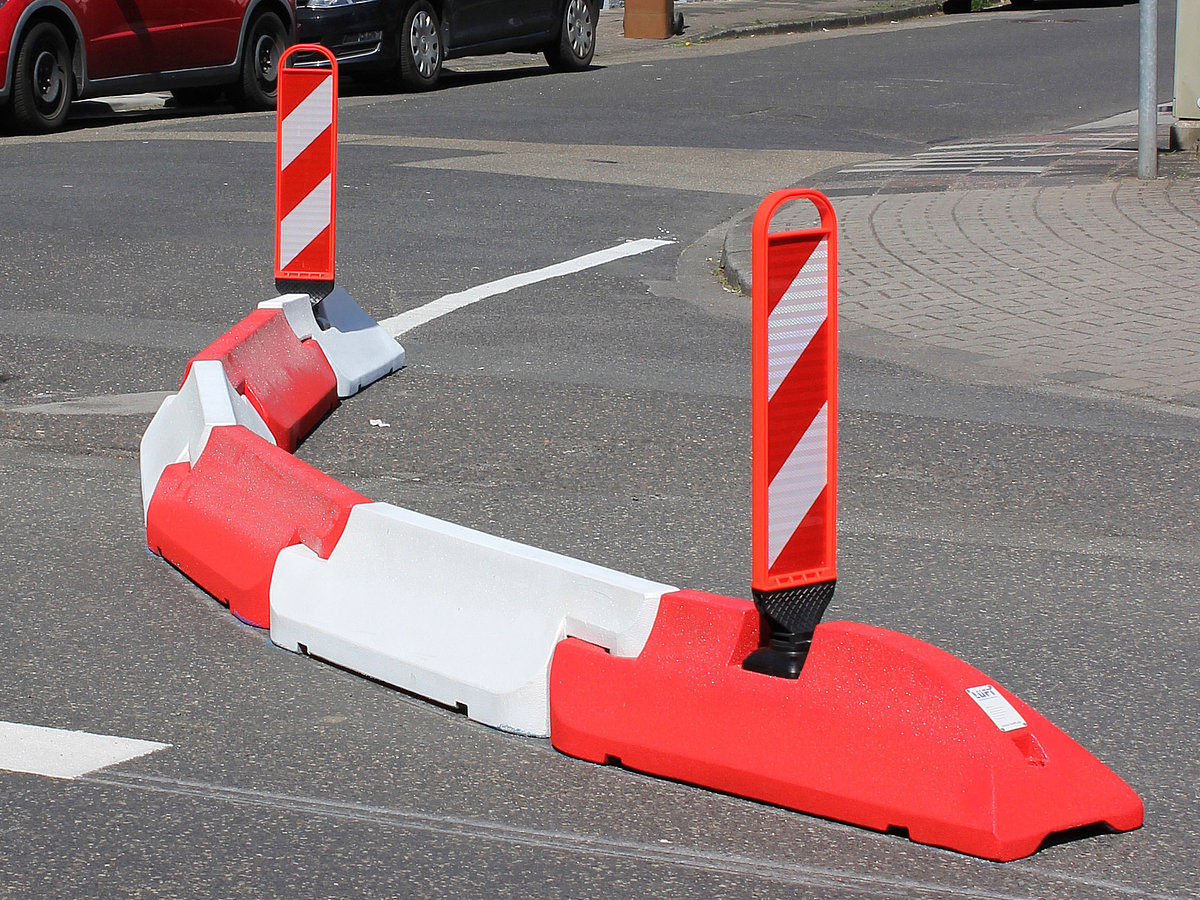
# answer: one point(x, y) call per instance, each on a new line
point(653, 19)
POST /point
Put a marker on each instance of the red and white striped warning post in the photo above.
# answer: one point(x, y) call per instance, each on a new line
point(794, 401)
point(306, 168)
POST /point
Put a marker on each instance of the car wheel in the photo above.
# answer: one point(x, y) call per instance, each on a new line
point(266, 40)
point(420, 47)
point(197, 96)
point(577, 37)
point(43, 83)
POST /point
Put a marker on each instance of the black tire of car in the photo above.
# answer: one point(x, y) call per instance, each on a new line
point(43, 82)
point(420, 47)
point(197, 96)
point(576, 43)
point(266, 39)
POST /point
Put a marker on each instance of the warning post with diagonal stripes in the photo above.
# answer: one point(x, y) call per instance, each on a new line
point(794, 403)
point(306, 172)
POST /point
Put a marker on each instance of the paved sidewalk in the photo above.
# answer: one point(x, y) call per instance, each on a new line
point(706, 20)
point(1037, 267)
point(1048, 263)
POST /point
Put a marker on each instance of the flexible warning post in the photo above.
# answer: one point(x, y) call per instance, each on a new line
point(306, 172)
point(794, 402)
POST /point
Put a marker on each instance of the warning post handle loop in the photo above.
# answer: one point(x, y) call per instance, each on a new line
point(309, 48)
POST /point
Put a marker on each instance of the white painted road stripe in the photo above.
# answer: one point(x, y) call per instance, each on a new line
point(398, 325)
point(56, 753)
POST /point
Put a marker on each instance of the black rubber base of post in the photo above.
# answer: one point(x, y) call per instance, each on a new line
point(791, 616)
point(776, 663)
point(316, 290)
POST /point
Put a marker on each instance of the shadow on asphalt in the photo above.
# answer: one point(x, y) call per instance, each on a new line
point(959, 7)
point(97, 113)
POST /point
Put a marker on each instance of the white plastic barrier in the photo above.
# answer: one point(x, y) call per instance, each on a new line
point(180, 428)
point(358, 349)
point(461, 617)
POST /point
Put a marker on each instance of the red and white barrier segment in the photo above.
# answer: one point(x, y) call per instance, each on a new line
point(880, 730)
point(180, 429)
point(357, 348)
point(224, 520)
point(306, 168)
point(459, 616)
point(288, 381)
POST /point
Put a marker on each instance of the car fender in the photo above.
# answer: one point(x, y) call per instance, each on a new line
point(36, 8)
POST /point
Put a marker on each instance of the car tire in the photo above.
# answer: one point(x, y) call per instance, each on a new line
point(576, 43)
point(266, 39)
point(420, 47)
point(43, 80)
point(197, 96)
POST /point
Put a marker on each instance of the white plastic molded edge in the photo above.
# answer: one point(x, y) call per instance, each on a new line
point(180, 428)
point(358, 349)
point(459, 616)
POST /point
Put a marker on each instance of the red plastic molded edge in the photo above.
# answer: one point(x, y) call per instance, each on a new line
point(223, 521)
point(878, 731)
point(289, 382)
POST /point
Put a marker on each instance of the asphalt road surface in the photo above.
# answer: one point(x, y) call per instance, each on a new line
point(1047, 538)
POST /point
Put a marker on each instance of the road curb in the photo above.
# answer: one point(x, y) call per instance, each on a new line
point(817, 23)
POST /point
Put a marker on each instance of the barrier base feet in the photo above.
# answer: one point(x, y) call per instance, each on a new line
point(880, 730)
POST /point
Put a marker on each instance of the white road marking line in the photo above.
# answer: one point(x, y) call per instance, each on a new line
point(406, 321)
point(56, 753)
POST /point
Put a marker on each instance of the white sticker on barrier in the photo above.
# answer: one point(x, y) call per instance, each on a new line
point(1002, 713)
point(358, 350)
point(180, 428)
point(456, 615)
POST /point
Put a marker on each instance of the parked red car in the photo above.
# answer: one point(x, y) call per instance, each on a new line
point(56, 51)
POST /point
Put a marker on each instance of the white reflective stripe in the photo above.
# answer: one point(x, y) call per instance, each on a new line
point(796, 318)
point(56, 753)
point(310, 217)
point(797, 485)
point(305, 123)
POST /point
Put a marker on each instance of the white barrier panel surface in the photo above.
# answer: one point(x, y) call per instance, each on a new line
point(461, 617)
point(358, 350)
point(180, 428)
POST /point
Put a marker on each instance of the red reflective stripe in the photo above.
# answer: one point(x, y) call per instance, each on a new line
point(788, 257)
point(307, 171)
point(797, 401)
point(805, 549)
point(313, 260)
point(297, 87)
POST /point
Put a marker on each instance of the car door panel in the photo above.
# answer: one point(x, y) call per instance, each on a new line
point(210, 32)
point(484, 21)
point(117, 38)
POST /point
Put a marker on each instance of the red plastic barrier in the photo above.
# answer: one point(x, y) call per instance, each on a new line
point(224, 521)
point(878, 731)
point(288, 381)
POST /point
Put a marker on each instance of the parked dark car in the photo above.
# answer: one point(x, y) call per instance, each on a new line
point(409, 39)
point(56, 51)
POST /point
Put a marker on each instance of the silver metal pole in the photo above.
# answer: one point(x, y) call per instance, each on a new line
point(1147, 89)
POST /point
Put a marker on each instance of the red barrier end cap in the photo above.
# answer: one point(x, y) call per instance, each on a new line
point(880, 731)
